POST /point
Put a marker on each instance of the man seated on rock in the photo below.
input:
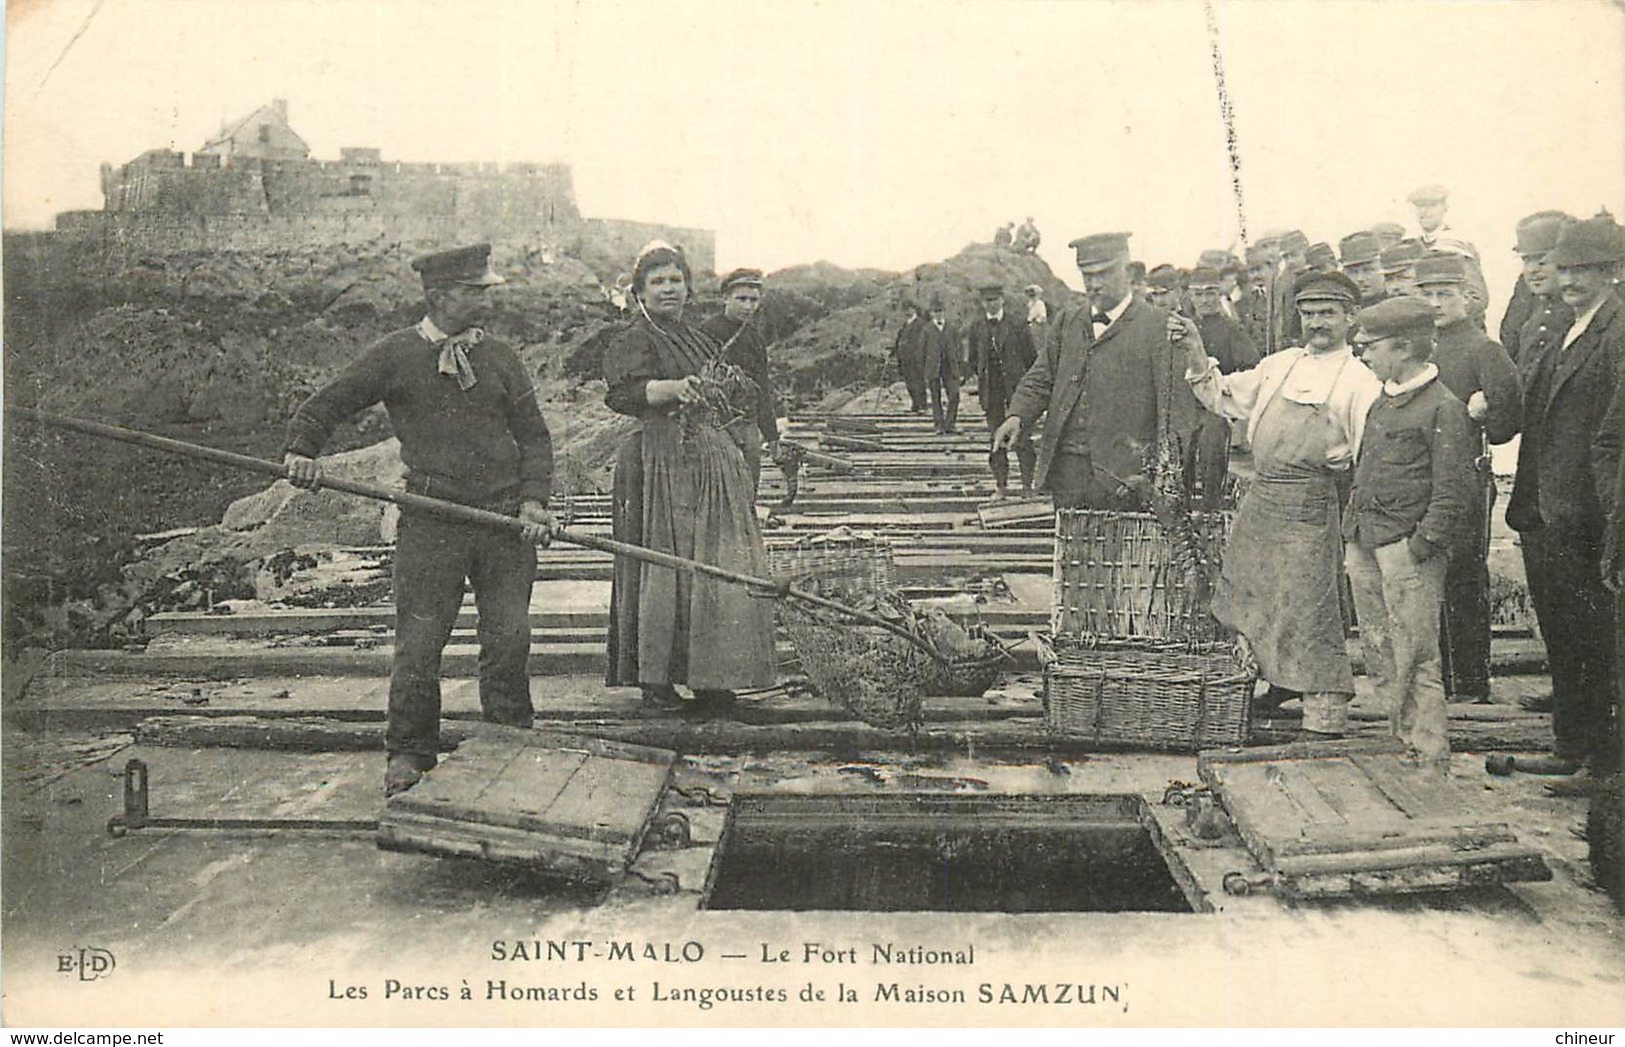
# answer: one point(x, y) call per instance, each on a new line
point(471, 433)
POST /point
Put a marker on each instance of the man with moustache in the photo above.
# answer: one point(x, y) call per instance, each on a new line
point(1474, 368)
point(743, 346)
point(1001, 351)
point(1536, 313)
point(1557, 498)
point(1283, 566)
point(465, 413)
point(1106, 383)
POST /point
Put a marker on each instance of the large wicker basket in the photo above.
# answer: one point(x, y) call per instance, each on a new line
point(1115, 575)
point(1150, 693)
point(853, 564)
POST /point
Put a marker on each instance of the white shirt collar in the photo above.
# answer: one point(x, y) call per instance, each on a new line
point(1583, 321)
point(430, 332)
point(1116, 311)
point(1427, 374)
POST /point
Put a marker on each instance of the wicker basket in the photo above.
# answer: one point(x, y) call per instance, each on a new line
point(1114, 576)
point(970, 677)
point(1152, 693)
point(854, 565)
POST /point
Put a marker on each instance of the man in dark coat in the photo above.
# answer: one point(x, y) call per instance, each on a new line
point(1107, 384)
point(1480, 374)
point(1556, 503)
point(1207, 459)
point(471, 432)
point(939, 351)
point(740, 336)
point(1001, 351)
point(1539, 309)
point(910, 354)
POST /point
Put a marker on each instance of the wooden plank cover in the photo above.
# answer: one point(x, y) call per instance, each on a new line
point(1333, 819)
point(568, 804)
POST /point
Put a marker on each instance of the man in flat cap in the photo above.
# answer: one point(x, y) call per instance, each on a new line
point(1294, 263)
point(1255, 310)
point(1564, 491)
point(1475, 368)
point(1408, 508)
point(939, 349)
point(1208, 457)
point(471, 432)
point(1399, 267)
point(1001, 351)
point(1164, 287)
point(1321, 257)
point(1362, 262)
point(1305, 408)
point(1388, 234)
point(1536, 307)
point(1106, 384)
point(1430, 202)
point(740, 335)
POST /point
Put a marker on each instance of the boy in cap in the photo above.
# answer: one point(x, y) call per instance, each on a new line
point(1412, 490)
point(1563, 484)
point(1107, 386)
point(471, 432)
point(745, 348)
point(1001, 350)
point(1479, 374)
point(1305, 408)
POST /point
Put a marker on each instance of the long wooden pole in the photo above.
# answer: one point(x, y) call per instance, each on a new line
point(466, 513)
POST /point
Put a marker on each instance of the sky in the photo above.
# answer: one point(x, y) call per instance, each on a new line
point(880, 133)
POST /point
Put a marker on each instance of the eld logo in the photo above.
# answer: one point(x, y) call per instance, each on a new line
point(88, 963)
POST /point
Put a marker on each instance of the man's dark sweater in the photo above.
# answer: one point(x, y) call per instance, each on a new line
point(473, 447)
point(1471, 361)
point(747, 350)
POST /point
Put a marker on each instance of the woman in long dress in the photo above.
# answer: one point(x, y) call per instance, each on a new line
point(682, 486)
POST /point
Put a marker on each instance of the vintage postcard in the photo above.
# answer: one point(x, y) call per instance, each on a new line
point(801, 514)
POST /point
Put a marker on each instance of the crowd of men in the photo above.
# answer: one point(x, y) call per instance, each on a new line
point(1363, 381)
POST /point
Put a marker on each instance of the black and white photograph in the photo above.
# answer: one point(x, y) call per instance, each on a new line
point(774, 514)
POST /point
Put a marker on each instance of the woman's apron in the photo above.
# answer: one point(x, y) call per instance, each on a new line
point(1279, 585)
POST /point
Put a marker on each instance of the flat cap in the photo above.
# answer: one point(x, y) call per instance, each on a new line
point(1359, 248)
point(1441, 267)
point(741, 278)
point(1164, 277)
point(1593, 241)
point(1398, 317)
point(989, 288)
point(1325, 287)
point(1388, 232)
point(1258, 254)
point(1204, 276)
point(1032, 289)
point(1271, 237)
point(1215, 259)
point(1321, 256)
point(1099, 250)
point(1537, 233)
point(468, 266)
point(1431, 193)
point(1401, 256)
point(1294, 240)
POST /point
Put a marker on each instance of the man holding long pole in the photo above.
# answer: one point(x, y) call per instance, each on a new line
point(471, 432)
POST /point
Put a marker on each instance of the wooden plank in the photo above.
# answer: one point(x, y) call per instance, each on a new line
point(601, 797)
point(1406, 792)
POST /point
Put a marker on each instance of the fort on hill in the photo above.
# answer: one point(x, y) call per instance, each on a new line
point(254, 186)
